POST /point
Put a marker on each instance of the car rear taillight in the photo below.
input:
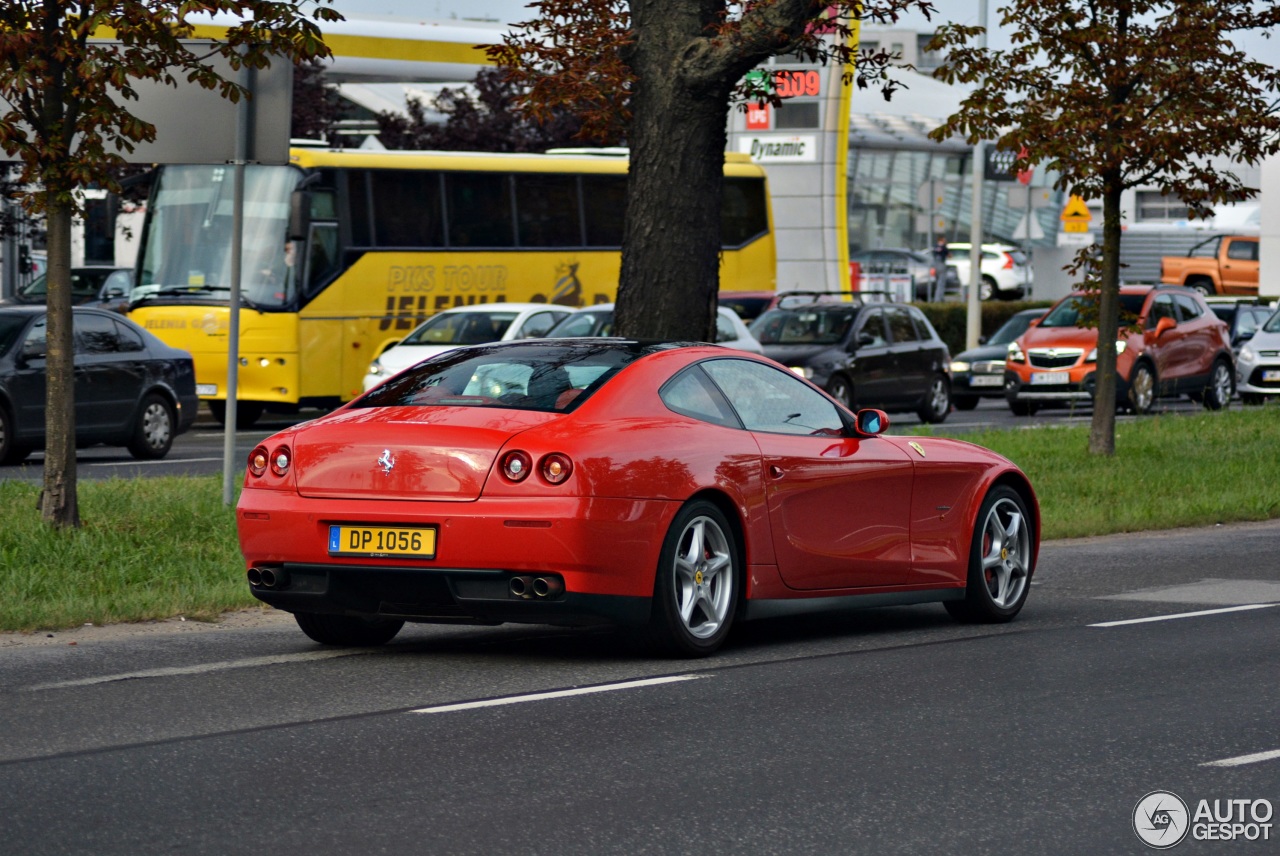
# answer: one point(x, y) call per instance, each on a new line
point(555, 468)
point(258, 461)
point(516, 466)
point(280, 460)
point(1008, 262)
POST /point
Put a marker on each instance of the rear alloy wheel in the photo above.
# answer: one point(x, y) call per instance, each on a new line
point(841, 390)
point(1000, 560)
point(1142, 389)
point(10, 451)
point(153, 432)
point(346, 630)
point(1204, 286)
point(695, 594)
point(937, 402)
point(1217, 394)
point(986, 288)
point(965, 402)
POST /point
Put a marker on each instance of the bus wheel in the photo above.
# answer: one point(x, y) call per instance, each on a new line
point(247, 412)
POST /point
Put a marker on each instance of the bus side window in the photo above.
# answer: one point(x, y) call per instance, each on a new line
point(322, 257)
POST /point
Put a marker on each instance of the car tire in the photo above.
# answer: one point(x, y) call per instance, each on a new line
point(247, 413)
point(1204, 286)
point(937, 401)
point(841, 390)
point(1142, 388)
point(1220, 389)
point(153, 430)
point(965, 402)
point(986, 288)
point(346, 630)
point(11, 452)
point(1001, 560)
point(695, 593)
point(1022, 408)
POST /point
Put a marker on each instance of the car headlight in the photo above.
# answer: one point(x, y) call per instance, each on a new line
point(1093, 355)
point(959, 366)
point(1015, 354)
point(804, 372)
point(376, 369)
point(1247, 354)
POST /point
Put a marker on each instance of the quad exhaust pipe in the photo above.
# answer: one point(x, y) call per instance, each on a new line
point(268, 578)
point(542, 588)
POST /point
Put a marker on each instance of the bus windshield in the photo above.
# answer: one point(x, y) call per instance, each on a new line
point(187, 247)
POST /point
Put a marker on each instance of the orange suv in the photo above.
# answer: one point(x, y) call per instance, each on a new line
point(1182, 348)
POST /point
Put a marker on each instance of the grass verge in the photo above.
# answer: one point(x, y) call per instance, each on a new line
point(155, 548)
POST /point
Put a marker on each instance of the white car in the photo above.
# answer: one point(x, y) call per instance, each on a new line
point(465, 325)
point(731, 331)
point(1258, 365)
point(1006, 273)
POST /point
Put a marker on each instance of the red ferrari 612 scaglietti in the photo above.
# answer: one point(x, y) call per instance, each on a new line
point(673, 488)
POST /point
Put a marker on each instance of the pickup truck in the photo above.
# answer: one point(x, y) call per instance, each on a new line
point(1224, 264)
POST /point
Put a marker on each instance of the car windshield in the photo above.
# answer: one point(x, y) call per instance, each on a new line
point(525, 377)
point(462, 328)
point(594, 322)
point(84, 283)
point(11, 326)
point(1080, 310)
point(1012, 329)
point(808, 325)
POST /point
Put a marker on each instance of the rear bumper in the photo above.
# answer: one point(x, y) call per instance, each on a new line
point(440, 595)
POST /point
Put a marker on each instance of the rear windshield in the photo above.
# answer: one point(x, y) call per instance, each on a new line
point(810, 325)
point(531, 377)
point(1080, 310)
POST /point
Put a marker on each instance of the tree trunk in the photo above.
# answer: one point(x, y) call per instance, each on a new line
point(58, 502)
point(671, 240)
point(1102, 431)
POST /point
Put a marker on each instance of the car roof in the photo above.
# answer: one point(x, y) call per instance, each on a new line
point(491, 307)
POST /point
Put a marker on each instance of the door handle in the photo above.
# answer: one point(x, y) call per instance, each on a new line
point(775, 472)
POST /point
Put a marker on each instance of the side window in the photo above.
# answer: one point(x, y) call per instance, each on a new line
point(691, 393)
point(744, 212)
point(547, 211)
point(900, 326)
point(322, 258)
point(1188, 306)
point(94, 334)
point(1161, 307)
point(128, 339)
point(1244, 251)
point(406, 208)
point(479, 209)
point(773, 400)
point(604, 199)
point(724, 329)
point(537, 325)
point(872, 333)
point(36, 345)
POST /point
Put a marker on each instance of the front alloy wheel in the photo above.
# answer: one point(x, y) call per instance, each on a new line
point(695, 593)
point(1142, 389)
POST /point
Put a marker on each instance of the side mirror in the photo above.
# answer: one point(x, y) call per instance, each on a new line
point(1035, 322)
point(982, 340)
point(872, 422)
point(112, 292)
point(1163, 326)
point(33, 351)
point(864, 340)
point(299, 215)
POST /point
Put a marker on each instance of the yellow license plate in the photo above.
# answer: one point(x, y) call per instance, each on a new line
point(417, 542)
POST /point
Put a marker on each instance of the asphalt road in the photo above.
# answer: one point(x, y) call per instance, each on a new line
point(882, 731)
point(200, 450)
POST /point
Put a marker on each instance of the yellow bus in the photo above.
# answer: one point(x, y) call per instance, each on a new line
point(345, 251)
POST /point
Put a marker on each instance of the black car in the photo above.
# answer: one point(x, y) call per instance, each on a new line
point(131, 389)
point(100, 286)
point(979, 371)
point(865, 354)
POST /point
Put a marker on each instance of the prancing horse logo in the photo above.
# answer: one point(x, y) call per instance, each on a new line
point(387, 462)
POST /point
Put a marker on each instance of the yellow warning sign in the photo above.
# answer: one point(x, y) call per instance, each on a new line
point(1076, 211)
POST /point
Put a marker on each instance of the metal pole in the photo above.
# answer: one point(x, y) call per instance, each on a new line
point(973, 327)
point(244, 119)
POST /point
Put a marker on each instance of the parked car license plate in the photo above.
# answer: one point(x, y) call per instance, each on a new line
point(1049, 378)
point(206, 389)
point(1270, 375)
point(986, 380)
point(418, 542)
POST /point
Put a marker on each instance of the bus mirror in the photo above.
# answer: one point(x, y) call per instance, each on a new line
point(299, 215)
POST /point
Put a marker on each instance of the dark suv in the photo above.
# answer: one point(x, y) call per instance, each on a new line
point(864, 352)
